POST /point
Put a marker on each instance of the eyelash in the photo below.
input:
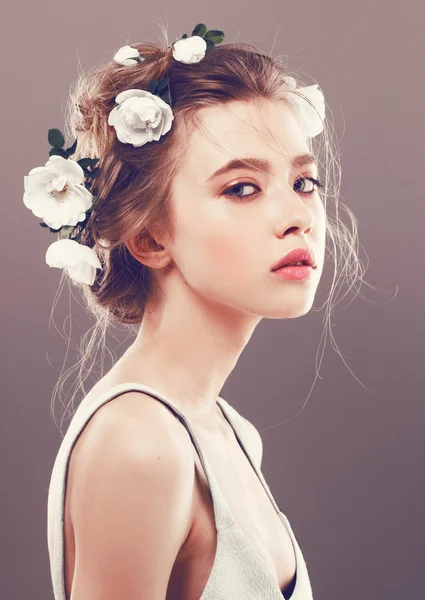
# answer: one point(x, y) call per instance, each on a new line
point(226, 193)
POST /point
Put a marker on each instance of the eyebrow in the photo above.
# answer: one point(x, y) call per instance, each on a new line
point(262, 164)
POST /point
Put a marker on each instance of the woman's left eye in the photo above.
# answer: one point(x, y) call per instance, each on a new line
point(230, 194)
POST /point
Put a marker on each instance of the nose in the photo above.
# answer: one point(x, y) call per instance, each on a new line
point(298, 219)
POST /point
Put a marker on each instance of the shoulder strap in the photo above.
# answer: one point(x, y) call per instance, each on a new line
point(242, 435)
point(223, 515)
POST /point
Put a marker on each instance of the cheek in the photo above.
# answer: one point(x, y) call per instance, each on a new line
point(213, 257)
point(211, 238)
point(215, 248)
point(221, 249)
point(225, 273)
point(226, 252)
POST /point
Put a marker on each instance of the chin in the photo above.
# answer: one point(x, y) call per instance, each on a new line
point(289, 310)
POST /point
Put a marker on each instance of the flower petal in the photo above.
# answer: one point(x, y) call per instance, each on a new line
point(79, 261)
point(123, 96)
point(311, 119)
point(57, 183)
point(66, 166)
point(126, 55)
point(36, 180)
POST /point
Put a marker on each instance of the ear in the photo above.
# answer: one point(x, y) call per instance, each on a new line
point(145, 248)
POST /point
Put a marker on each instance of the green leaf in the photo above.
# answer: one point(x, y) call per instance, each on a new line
point(214, 35)
point(56, 138)
point(166, 97)
point(210, 44)
point(72, 148)
point(200, 29)
point(152, 86)
point(42, 224)
point(184, 36)
point(58, 152)
point(84, 162)
point(51, 229)
point(162, 85)
point(87, 162)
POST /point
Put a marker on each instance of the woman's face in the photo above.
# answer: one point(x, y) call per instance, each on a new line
point(231, 228)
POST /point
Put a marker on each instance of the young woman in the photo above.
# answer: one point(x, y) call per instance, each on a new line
point(205, 185)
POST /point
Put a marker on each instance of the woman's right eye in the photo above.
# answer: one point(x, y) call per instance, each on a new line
point(236, 186)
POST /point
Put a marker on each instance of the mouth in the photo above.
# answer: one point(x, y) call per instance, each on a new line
point(299, 257)
point(294, 271)
point(300, 263)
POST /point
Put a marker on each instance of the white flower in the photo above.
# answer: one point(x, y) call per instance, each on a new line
point(78, 260)
point(310, 122)
point(290, 82)
point(190, 50)
point(127, 55)
point(56, 192)
point(140, 117)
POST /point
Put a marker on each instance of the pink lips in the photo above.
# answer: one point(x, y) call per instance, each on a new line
point(297, 255)
point(294, 272)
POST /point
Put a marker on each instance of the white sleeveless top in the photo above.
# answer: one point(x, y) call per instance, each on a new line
point(239, 572)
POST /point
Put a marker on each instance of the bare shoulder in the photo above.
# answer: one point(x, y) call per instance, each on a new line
point(257, 442)
point(136, 430)
point(131, 499)
point(141, 416)
point(135, 426)
point(133, 423)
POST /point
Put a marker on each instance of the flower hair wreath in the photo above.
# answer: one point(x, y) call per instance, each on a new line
point(59, 193)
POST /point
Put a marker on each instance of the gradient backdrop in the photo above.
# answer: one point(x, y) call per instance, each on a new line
point(349, 469)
